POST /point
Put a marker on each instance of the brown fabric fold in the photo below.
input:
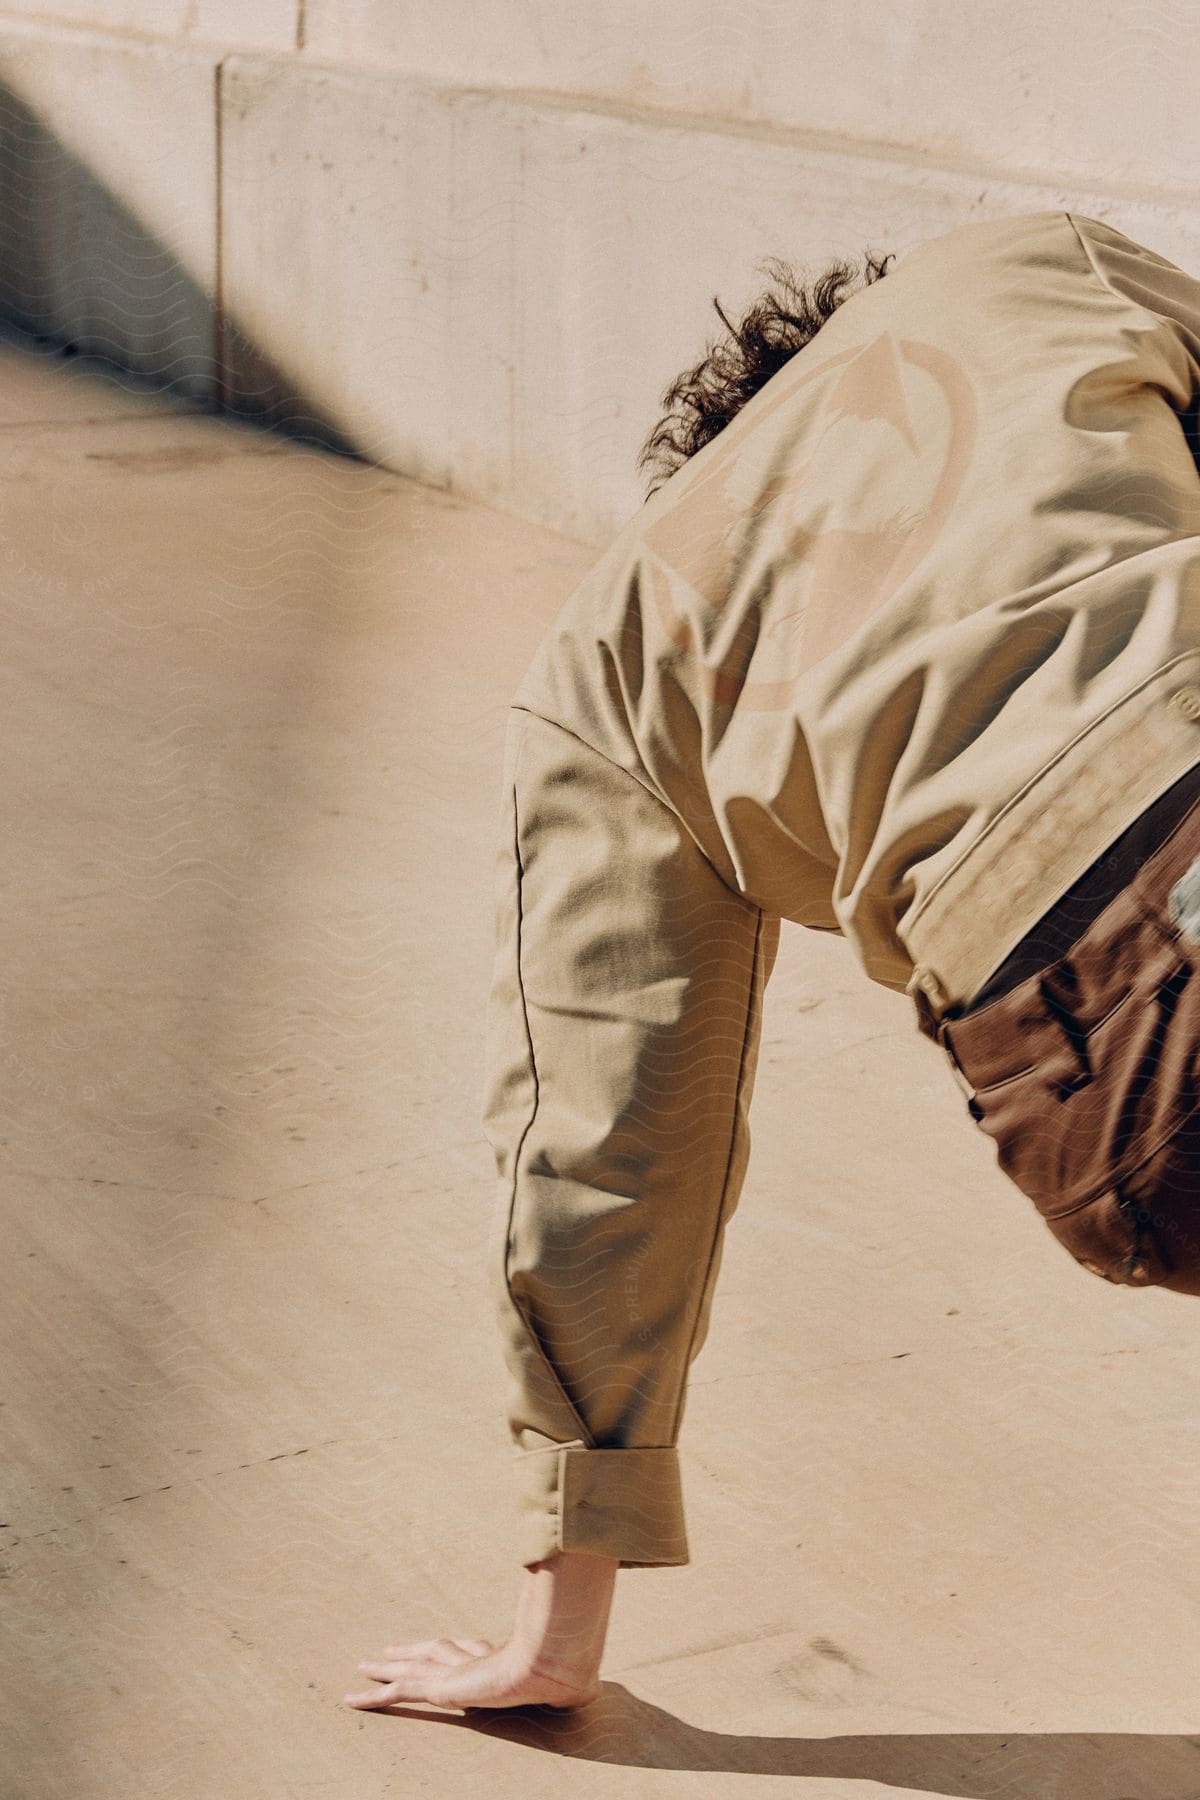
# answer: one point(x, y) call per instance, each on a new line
point(1081, 1057)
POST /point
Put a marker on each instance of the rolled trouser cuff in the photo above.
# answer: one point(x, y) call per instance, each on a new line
point(627, 1504)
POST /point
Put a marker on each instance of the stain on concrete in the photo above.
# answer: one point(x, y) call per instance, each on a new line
point(169, 459)
point(823, 1646)
point(162, 460)
point(823, 1673)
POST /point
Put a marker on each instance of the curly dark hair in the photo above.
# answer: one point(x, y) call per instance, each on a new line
point(703, 399)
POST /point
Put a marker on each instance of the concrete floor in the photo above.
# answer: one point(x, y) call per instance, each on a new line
point(943, 1488)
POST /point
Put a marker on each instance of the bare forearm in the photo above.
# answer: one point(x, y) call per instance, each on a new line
point(562, 1612)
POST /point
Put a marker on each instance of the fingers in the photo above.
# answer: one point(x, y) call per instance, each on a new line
point(415, 1671)
point(403, 1679)
point(383, 1696)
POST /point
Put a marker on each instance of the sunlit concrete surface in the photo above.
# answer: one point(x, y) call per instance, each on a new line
point(942, 1486)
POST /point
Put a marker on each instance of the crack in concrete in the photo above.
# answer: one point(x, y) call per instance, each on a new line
point(194, 1481)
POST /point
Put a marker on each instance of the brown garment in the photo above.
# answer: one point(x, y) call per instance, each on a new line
point(1082, 1054)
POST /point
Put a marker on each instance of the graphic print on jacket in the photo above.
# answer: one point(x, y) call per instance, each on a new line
point(840, 574)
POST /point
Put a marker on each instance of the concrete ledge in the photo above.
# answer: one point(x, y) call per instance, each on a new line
point(254, 24)
point(1084, 88)
point(482, 287)
point(491, 291)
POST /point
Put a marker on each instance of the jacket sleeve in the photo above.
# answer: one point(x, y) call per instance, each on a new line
point(1145, 279)
point(622, 1038)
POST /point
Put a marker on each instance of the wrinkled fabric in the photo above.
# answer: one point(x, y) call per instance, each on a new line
point(623, 1037)
point(1085, 1070)
point(897, 654)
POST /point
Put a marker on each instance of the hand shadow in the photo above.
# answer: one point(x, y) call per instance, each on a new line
point(622, 1729)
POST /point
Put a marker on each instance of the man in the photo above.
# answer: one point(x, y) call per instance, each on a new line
point(907, 647)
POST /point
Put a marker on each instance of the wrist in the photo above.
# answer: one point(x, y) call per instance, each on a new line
point(562, 1613)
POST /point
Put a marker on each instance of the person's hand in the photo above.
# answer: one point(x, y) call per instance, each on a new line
point(467, 1672)
point(551, 1659)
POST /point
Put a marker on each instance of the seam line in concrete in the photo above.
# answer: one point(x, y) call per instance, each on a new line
point(220, 336)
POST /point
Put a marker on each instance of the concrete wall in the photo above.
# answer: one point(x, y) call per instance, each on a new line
point(475, 247)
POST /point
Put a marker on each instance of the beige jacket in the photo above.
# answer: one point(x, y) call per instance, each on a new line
point(897, 655)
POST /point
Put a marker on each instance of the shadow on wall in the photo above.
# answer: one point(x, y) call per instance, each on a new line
point(79, 271)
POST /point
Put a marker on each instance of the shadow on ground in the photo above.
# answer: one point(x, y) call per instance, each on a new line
point(626, 1731)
